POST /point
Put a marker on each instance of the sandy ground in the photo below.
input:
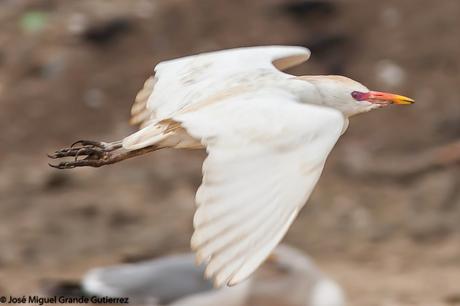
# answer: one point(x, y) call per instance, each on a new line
point(73, 74)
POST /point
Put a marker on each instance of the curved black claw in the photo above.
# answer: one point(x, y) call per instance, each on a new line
point(78, 151)
point(78, 163)
point(88, 143)
point(85, 153)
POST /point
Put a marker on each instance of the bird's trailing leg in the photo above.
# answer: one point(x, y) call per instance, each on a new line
point(94, 154)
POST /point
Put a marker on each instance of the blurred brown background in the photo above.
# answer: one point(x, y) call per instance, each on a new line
point(384, 219)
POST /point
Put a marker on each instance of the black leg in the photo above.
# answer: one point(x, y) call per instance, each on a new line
point(88, 153)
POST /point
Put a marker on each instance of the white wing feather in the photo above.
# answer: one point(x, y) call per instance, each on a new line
point(192, 82)
point(265, 155)
point(187, 80)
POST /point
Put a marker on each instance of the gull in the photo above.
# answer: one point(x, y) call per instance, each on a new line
point(267, 135)
point(288, 277)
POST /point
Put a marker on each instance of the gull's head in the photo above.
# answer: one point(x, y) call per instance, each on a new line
point(351, 97)
point(293, 264)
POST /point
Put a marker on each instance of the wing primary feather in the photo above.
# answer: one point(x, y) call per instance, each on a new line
point(234, 251)
point(259, 237)
point(222, 248)
point(256, 259)
point(139, 111)
point(240, 221)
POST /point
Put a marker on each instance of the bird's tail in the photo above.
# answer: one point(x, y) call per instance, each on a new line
point(147, 136)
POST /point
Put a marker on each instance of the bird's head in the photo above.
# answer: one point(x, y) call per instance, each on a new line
point(352, 97)
point(298, 266)
point(291, 261)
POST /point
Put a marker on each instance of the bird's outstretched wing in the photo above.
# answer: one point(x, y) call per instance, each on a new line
point(265, 155)
point(181, 82)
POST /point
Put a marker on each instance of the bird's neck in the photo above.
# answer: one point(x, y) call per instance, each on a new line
point(314, 90)
point(309, 92)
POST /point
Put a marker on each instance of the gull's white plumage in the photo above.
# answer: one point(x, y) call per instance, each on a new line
point(288, 278)
point(266, 149)
point(267, 134)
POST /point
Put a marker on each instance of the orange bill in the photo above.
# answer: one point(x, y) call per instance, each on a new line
point(377, 96)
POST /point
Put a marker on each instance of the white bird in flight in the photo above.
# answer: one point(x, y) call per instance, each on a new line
point(267, 134)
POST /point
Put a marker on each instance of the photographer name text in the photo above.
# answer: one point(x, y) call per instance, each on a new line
point(44, 300)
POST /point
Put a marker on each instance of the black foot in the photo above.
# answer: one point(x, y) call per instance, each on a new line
point(85, 153)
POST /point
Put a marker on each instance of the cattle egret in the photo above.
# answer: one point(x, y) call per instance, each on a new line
point(288, 277)
point(267, 134)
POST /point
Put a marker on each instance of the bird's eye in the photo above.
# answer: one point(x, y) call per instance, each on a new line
point(358, 96)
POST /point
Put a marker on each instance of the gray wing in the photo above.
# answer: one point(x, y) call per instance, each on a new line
point(161, 280)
